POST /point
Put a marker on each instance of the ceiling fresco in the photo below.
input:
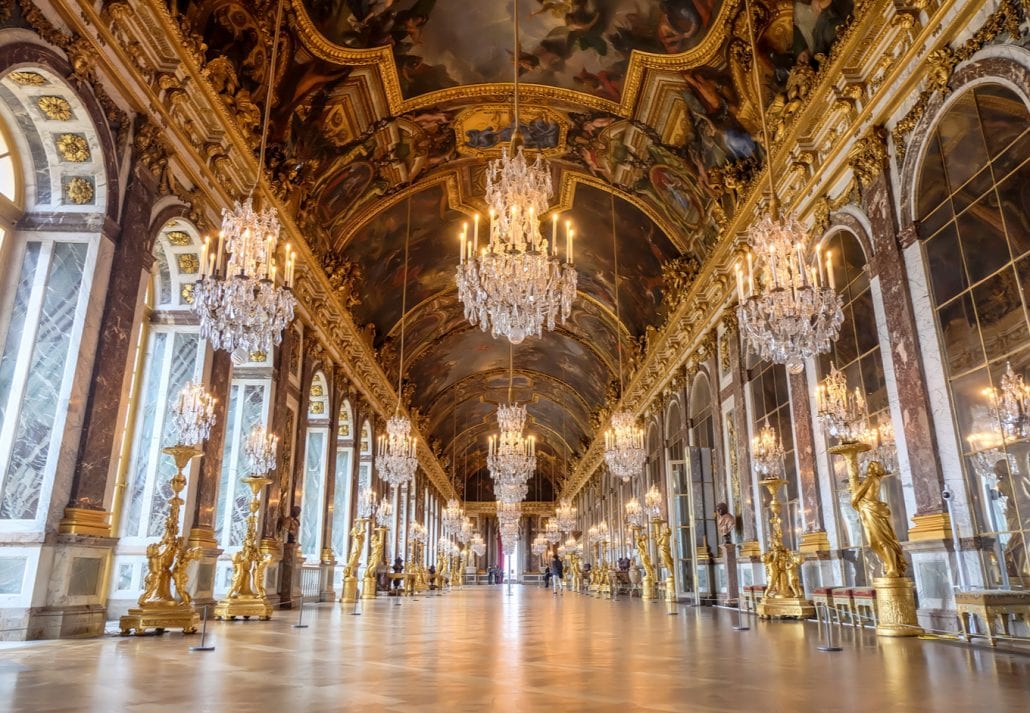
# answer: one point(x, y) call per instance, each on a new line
point(386, 106)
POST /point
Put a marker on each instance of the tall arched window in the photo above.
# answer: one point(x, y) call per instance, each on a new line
point(971, 203)
point(316, 447)
point(344, 485)
point(679, 485)
point(702, 463)
point(173, 354)
point(45, 280)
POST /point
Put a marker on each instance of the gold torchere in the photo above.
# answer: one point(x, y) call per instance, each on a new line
point(455, 567)
point(440, 567)
point(375, 556)
point(895, 593)
point(663, 537)
point(783, 598)
point(420, 581)
point(246, 597)
point(350, 571)
point(167, 561)
point(647, 586)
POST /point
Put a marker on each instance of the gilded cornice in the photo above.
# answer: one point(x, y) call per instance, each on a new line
point(529, 507)
point(876, 52)
point(213, 153)
point(640, 62)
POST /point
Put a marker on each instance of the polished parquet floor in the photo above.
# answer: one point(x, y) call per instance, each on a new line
point(481, 649)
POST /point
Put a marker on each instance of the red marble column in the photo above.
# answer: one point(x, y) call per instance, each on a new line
point(280, 423)
point(804, 451)
point(740, 426)
point(888, 264)
point(132, 260)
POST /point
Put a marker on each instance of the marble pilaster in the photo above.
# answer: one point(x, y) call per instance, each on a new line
point(210, 471)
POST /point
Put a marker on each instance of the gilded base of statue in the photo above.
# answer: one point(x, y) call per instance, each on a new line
point(368, 588)
point(160, 616)
point(647, 589)
point(896, 607)
point(350, 590)
point(785, 608)
point(244, 607)
point(670, 589)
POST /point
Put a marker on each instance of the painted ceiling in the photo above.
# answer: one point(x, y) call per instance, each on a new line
point(385, 108)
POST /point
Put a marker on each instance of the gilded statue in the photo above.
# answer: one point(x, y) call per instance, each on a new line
point(183, 558)
point(644, 552)
point(876, 519)
point(781, 573)
point(357, 539)
point(663, 537)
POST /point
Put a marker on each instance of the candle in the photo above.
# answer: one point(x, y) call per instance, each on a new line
point(218, 254)
point(750, 275)
point(740, 283)
point(819, 264)
point(554, 232)
point(572, 239)
point(801, 263)
point(461, 249)
point(203, 256)
point(829, 269)
point(475, 233)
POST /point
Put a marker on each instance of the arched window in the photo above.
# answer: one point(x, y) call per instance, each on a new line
point(702, 463)
point(679, 484)
point(344, 486)
point(971, 202)
point(316, 447)
point(249, 398)
point(52, 164)
point(173, 354)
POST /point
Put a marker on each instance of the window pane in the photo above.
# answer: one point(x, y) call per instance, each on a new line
point(41, 400)
point(865, 322)
point(311, 502)
point(1000, 311)
point(15, 327)
point(1002, 114)
point(1014, 197)
point(983, 238)
point(8, 185)
point(944, 263)
point(959, 334)
point(933, 188)
point(962, 142)
point(146, 418)
point(341, 504)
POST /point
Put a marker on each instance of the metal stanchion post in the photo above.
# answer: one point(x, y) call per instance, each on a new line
point(740, 624)
point(300, 616)
point(357, 607)
point(203, 636)
point(828, 645)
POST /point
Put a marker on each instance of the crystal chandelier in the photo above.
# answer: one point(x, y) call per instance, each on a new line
point(366, 503)
point(384, 512)
point(259, 450)
point(478, 546)
point(653, 502)
point(240, 303)
point(793, 315)
point(451, 516)
point(841, 412)
point(539, 544)
point(565, 516)
point(767, 452)
point(418, 532)
point(1011, 405)
point(511, 456)
point(193, 414)
point(635, 513)
point(397, 455)
point(516, 285)
point(552, 532)
point(465, 531)
point(508, 513)
point(624, 441)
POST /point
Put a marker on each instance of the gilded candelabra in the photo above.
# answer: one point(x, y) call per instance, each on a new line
point(784, 597)
point(246, 596)
point(895, 593)
point(350, 571)
point(167, 562)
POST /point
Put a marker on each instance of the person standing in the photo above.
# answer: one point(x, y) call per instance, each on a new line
point(557, 571)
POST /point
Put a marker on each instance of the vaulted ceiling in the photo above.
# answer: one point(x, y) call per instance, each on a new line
point(389, 107)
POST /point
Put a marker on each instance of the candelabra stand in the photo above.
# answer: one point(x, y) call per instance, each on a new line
point(246, 596)
point(784, 596)
point(895, 593)
point(350, 571)
point(596, 570)
point(375, 556)
point(647, 585)
point(663, 537)
point(167, 561)
point(421, 583)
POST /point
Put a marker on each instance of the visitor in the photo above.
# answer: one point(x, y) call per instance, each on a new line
point(557, 571)
point(398, 568)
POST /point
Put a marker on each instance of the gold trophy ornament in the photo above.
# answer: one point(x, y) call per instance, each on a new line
point(357, 543)
point(247, 597)
point(168, 560)
point(382, 517)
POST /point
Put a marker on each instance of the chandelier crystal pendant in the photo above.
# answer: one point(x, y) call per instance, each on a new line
point(517, 285)
point(259, 450)
point(193, 414)
point(624, 442)
point(397, 454)
point(842, 412)
point(1011, 404)
point(767, 453)
point(245, 303)
point(789, 313)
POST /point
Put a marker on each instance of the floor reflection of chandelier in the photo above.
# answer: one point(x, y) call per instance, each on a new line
point(517, 284)
point(792, 315)
point(1011, 404)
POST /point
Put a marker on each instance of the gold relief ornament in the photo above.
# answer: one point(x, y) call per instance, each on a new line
point(784, 596)
point(55, 108)
point(188, 263)
point(186, 293)
point(350, 571)
point(28, 79)
point(73, 147)
point(178, 238)
point(79, 190)
point(246, 596)
point(167, 563)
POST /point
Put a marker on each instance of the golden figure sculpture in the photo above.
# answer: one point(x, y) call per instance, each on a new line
point(246, 596)
point(375, 556)
point(644, 550)
point(876, 519)
point(357, 540)
point(663, 537)
point(784, 596)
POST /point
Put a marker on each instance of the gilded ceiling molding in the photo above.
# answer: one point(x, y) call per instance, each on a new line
point(382, 59)
point(489, 507)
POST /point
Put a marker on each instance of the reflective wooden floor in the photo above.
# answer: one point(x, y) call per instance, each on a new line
point(483, 650)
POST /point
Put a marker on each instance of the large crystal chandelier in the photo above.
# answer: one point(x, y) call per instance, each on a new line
point(245, 303)
point(539, 545)
point(511, 455)
point(478, 545)
point(793, 314)
point(565, 516)
point(635, 515)
point(842, 412)
point(397, 456)
point(1011, 405)
point(552, 532)
point(193, 414)
point(517, 284)
point(624, 441)
point(767, 452)
point(452, 516)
